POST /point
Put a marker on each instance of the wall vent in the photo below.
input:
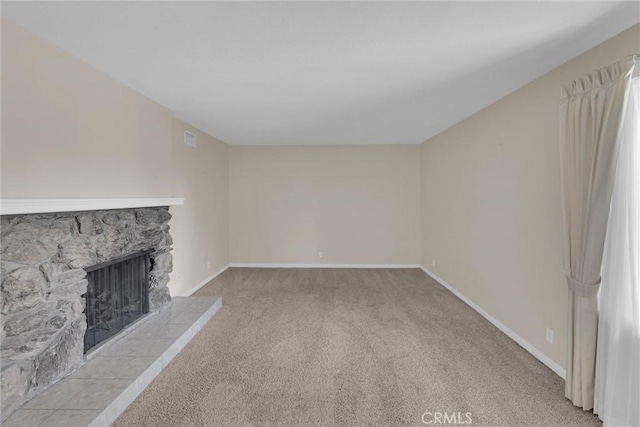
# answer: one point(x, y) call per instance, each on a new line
point(190, 139)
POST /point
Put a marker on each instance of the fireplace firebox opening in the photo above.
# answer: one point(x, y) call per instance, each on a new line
point(117, 295)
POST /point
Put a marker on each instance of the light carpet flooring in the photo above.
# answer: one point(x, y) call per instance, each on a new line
point(348, 347)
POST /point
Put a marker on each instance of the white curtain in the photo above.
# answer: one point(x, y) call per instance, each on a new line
point(617, 386)
point(591, 115)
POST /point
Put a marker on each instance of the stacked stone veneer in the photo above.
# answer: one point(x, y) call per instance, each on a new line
point(43, 282)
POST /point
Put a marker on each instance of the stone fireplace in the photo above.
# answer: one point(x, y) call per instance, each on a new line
point(44, 286)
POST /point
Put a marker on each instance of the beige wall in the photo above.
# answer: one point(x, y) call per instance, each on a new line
point(357, 204)
point(491, 214)
point(484, 194)
point(200, 227)
point(68, 130)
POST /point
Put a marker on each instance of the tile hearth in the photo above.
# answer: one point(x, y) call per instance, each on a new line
point(101, 389)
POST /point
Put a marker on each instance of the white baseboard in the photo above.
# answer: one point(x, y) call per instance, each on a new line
point(254, 265)
point(258, 265)
point(508, 332)
point(205, 281)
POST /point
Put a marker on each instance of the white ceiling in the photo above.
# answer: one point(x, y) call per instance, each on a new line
point(324, 72)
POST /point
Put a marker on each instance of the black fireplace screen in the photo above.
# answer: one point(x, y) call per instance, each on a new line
point(117, 295)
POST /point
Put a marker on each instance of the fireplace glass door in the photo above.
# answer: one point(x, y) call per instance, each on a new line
point(117, 295)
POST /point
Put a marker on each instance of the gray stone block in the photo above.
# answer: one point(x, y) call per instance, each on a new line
point(60, 275)
point(158, 280)
point(150, 237)
point(163, 215)
point(113, 243)
point(162, 262)
point(118, 217)
point(68, 291)
point(159, 298)
point(29, 321)
point(167, 241)
point(86, 224)
point(22, 289)
point(146, 216)
point(64, 222)
point(31, 243)
point(63, 355)
point(77, 253)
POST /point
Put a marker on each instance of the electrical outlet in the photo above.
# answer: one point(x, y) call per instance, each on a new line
point(433, 263)
point(320, 254)
point(549, 336)
point(208, 265)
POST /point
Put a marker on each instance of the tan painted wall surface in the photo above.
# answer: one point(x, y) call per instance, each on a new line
point(357, 204)
point(491, 213)
point(68, 130)
point(490, 185)
point(200, 227)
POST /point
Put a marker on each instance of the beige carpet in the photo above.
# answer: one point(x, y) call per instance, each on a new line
point(348, 347)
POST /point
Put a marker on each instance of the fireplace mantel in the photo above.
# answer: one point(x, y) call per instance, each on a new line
point(31, 206)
